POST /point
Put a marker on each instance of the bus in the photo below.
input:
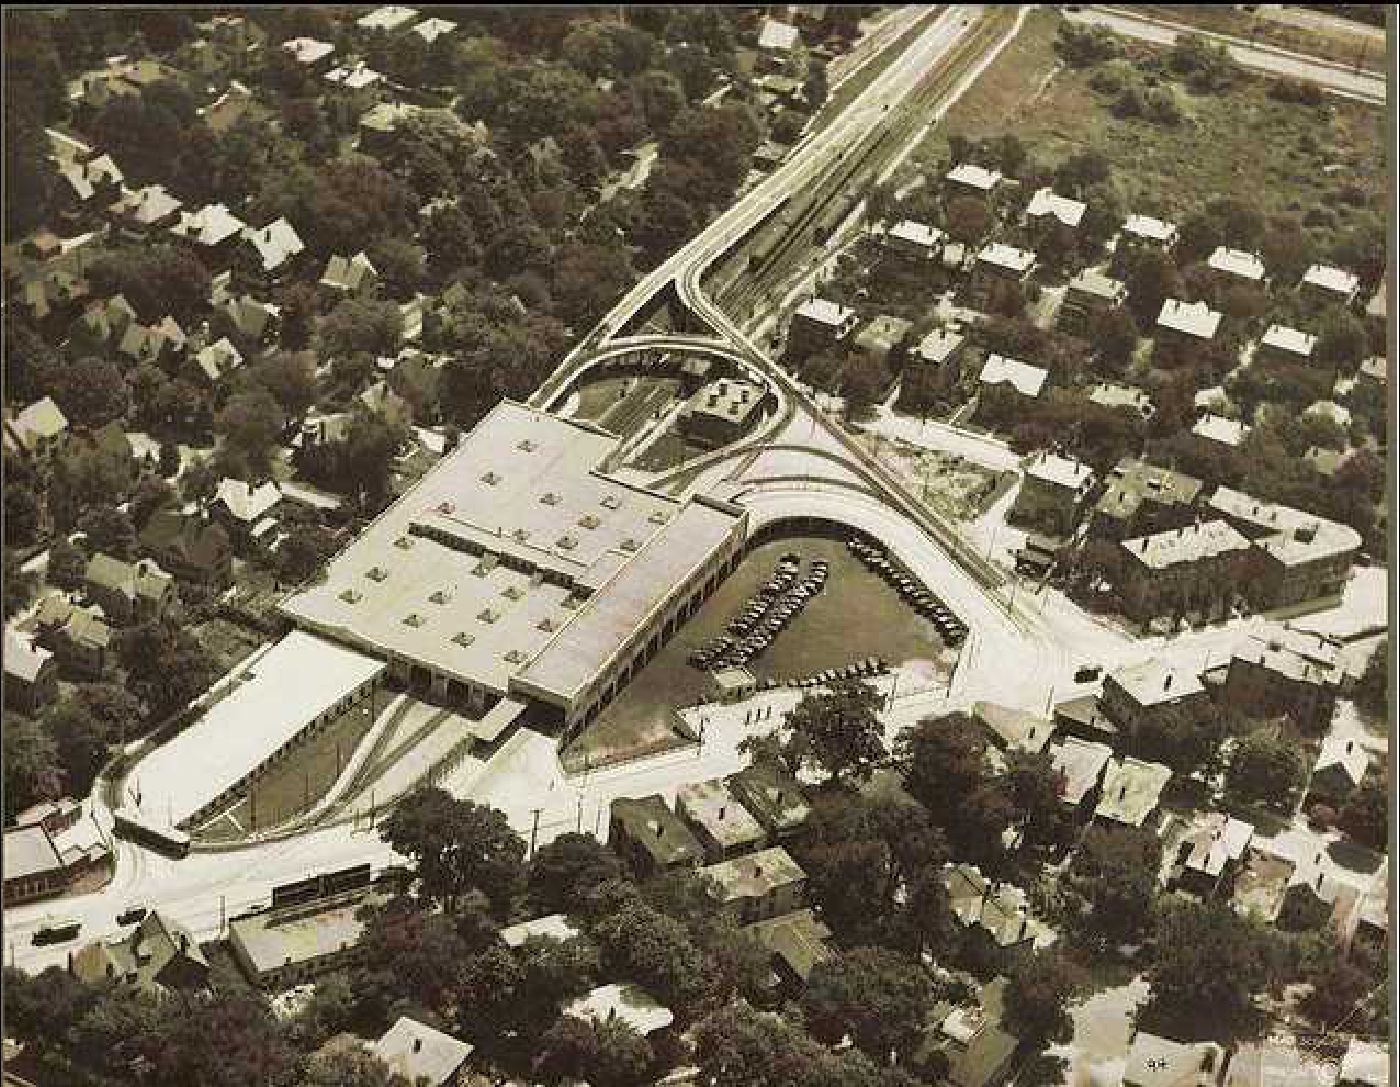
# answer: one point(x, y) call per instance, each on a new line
point(57, 931)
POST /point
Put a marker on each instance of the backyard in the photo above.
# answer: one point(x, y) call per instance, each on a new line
point(857, 616)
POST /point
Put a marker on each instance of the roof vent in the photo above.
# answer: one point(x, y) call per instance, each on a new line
point(351, 596)
point(446, 507)
point(512, 592)
point(566, 543)
point(377, 573)
point(463, 639)
point(549, 498)
point(413, 620)
point(610, 502)
point(526, 446)
point(440, 596)
point(589, 521)
point(659, 517)
point(488, 616)
point(403, 543)
point(490, 479)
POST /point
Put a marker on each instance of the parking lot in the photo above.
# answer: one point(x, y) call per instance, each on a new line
point(856, 615)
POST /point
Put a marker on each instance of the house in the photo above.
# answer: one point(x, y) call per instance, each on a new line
point(1331, 411)
point(1187, 323)
point(1132, 790)
point(423, 1056)
point(39, 429)
point(279, 948)
point(309, 52)
point(1233, 265)
point(1218, 430)
point(721, 412)
point(882, 340)
point(1340, 768)
point(1090, 295)
point(772, 797)
point(1012, 729)
point(968, 178)
point(796, 943)
point(51, 847)
point(430, 30)
point(1267, 678)
point(630, 1004)
point(108, 319)
point(78, 636)
point(1284, 345)
point(1154, 1061)
point(128, 591)
point(777, 36)
point(1372, 373)
point(276, 245)
point(1082, 763)
point(1211, 852)
point(1046, 205)
point(1297, 557)
point(189, 546)
point(1000, 910)
point(31, 673)
point(1326, 462)
point(650, 837)
point(724, 827)
point(148, 343)
point(998, 263)
point(239, 506)
point(157, 956)
point(1026, 380)
point(1145, 231)
point(1324, 283)
point(974, 1041)
point(213, 230)
point(388, 18)
point(914, 240)
point(1261, 884)
point(1376, 310)
point(1053, 492)
point(1109, 394)
point(217, 360)
point(757, 885)
point(352, 275)
point(90, 185)
point(1152, 688)
point(1142, 498)
point(142, 212)
point(932, 368)
point(818, 325)
point(256, 321)
point(553, 927)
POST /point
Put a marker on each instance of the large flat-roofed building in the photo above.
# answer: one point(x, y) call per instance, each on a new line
point(1191, 568)
point(1297, 557)
point(1150, 689)
point(1269, 677)
point(281, 948)
point(723, 826)
point(268, 706)
point(515, 567)
point(758, 885)
point(650, 837)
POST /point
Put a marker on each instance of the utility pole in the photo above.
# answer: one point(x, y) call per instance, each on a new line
point(223, 915)
point(534, 831)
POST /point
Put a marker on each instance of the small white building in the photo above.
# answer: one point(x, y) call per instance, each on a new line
point(1025, 379)
point(1237, 263)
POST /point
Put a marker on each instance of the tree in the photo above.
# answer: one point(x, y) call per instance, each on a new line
point(1337, 987)
point(252, 424)
point(41, 1008)
point(1205, 964)
point(31, 768)
point(1035, 790)
point(166, 666)
point(19, 586)
point(1183, 738)
point(565, 871)
point(303, 552)
point(90, 391)
point(968, 219)
point(290, 377)
point(945, 761)
point(406, 954)
point(1152, 279)
point(160, 281)
point(1116, 337)
point(81, 741)
point(229, 1040)
point(1037, 999)
point(1265, 767)
point(608, 1054)
point(587, 279)
point(361, 325)
point(644, 945)
point(1112, 880)
point(351, 1066)
point(877, 996)
point(23, 506)
point(67, 565)
point(1365, 814)
point(1341, 341)
point(108, 529)
point(152, 493)
point(741, 1047)
point(838, 731)
point(458, 846)
point(814, 87)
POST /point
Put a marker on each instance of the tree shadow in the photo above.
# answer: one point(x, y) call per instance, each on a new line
point(1354, 857)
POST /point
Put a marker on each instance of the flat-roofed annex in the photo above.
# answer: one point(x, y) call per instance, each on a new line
point(502, 546)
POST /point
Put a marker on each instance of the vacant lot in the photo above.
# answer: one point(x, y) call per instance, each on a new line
point(1280, 157)
point(857, 616)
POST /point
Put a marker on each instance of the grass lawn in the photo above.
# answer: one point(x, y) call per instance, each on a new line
point(857, 616)
point(1338, 43)
point(1241, 144)
point(625, 404)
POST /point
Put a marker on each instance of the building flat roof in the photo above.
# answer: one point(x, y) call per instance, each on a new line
point(387, 18)
point(271, 939)
point(1048, 202)
point(663, 833)
point(1284, 338)
point(975, 177)
point(1132, 789)
point(1061, 471)
point(727, 399)
point(1091, 281)
point(916, 233)
point(1219, 428)
point(1329, 278)
point(776, 34)
point(1132, 482)
point(939, 345)
point(1153, 681)
point(825, 312)
point(1022, 730)
point(715, 809)
point(482, 565)
point(1191, 543)
point(775, 797)
point(421, 1054)
point(1237, 263)
point(1082, 763)
point(755, 875)
point(29, 852)
point(1112, 395)
point(1192, 318)
point(1144, 226)
point(1154, 1061)
point(556, 927)
point(1288, 535)
point(268, 701)
point(1026, 379)
point(1009, 257)
point(1214, 839)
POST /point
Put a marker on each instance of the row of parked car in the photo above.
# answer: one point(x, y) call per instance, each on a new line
point(768, 611)
point(916, 594)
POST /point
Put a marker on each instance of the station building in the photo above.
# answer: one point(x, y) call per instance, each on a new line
point(516, 576)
